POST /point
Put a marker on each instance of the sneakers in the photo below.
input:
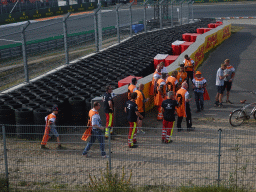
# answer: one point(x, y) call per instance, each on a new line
point(220, 105)
point(59, 147)
point(190, 129)
point(43, 147)
point(228, 101)
point(216, 103)
point(105, 156)
point(198, 111)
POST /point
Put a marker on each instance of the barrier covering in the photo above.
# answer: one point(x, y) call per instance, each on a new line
point(159, 58)
point(126, 80)
point(194, 36)
point(170, 59)
point(176, 47)
point(185, 45)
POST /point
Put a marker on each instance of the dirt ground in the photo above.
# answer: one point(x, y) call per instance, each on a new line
point(192, 158)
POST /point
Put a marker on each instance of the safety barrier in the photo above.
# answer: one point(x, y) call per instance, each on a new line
point(196, 51)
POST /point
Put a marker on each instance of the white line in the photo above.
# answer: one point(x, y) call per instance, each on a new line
point(10, 40)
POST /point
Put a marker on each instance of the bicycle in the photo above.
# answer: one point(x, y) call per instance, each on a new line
point(238, 116)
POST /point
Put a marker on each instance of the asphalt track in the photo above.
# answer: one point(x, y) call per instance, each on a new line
point(79, 23)
point(240, 49)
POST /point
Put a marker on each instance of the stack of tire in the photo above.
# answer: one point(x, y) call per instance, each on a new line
point(78, 110)
point(7, 118)
point(39, 115)
point(24, 123)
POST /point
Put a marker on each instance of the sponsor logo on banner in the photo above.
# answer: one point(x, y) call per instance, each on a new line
point(226, 32)
point(212, 40)
point(199, 55)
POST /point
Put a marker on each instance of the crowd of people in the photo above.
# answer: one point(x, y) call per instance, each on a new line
point(171, 97)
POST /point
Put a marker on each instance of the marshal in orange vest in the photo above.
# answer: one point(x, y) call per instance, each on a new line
point(180, 97)
point(88, 131)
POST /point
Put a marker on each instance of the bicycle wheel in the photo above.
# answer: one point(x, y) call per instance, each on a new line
point(237, 117)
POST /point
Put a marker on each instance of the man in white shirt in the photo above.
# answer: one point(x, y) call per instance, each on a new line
point(220, 85)
point(230, 71)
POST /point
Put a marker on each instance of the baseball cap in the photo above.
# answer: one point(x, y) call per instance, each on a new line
point(55, 108)
point(198, 73)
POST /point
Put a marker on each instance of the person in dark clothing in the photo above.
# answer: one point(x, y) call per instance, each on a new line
point(168, 109)
point(108, 109)
point(131, 108)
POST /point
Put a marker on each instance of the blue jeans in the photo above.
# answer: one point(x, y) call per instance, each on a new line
point(96, 133)
point(199, 97)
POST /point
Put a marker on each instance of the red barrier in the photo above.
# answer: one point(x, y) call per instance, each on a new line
point(211, 25)
point(170, 59)
point(219, 22)
point(194, 36)
point(159, 58)
point(176, 47)
point(200, 30)
point(185, 45)
point(217, 25)
point(126, 80)
point(186, 37)
point(207, 29)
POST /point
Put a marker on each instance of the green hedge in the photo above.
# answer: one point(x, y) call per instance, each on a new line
point(46, 12)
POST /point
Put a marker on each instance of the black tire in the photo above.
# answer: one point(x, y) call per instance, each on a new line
point(254, 115)
point(237, 117)
point(24, 121)
point(39, 121)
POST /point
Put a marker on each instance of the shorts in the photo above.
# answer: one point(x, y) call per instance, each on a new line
point(220, 89)
point(53, 131)
point(142, 114)
point(227, 85)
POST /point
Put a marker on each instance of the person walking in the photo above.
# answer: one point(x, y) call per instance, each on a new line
point(50, 126)
point(140, 101)
point(168, 109)
point(182, 96)
point(199, 85)
point(172, 83)
point(96, 131)
point(108, 109)
point(220, 85)
point(132, 87)
point(230, 71)
point(189, 65)
point(157, 75)
point(160, 95)
point(131, 108)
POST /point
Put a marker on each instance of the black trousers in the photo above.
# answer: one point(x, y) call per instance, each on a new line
point(188, 118)
point(190, 75)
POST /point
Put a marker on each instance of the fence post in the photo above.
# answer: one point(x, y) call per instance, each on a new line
point(5, 157)
point(161, 14)
point(192, 11)
point(172, 13)
point(96, 27)
point(109, 148)
point(181, 3)
point(100, 28)
point(65, 33)
point(145, 15)
point(117, 22)
point(130, 8)
point(219, 157)
point(24, 50)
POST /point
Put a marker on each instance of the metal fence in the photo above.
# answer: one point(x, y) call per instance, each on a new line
point(30, 49)
point(201, 157)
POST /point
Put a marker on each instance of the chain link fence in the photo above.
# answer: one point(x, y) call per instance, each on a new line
point(30, 49)
point(203, 157)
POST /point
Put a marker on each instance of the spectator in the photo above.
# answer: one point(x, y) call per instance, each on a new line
point(131, 108)
point(50, 126)
point(132, 87)
point(189, 68)
point(168, 109)
point(160, 95)
point(172, 83)
point(108, 109)
point(140, 101)
point(199, 85)
point(220, 85)
point(157, 74)
point(163, 70)
point(230, 71)
point(97, 130)
point(183, 110)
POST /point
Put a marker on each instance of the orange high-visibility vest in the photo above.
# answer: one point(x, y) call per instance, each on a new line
point(139, 101)
point(50, 116)
point(171, 83)
point(88, 131)
point(131, 87)
point(180, 97)
point(159, 98)
point(151, 91)
point(189, 65)
point(181, 76)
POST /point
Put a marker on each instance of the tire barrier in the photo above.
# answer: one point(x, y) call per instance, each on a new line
point(78, 110)
point(24, 120)
point(39, 115)
point(7, 117)
point(74, 86)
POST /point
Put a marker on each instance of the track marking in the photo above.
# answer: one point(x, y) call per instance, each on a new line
point(10, 40)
